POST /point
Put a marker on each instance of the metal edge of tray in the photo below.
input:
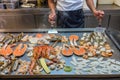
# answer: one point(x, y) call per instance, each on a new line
point(113, 39)
point(116, 54)
point(96, 76)
point(63, 76)
point(46, 30)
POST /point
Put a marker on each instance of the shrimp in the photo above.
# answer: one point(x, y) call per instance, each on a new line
point(41, 52)
point(39, 35)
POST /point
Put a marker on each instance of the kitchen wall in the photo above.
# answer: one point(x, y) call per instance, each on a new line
point(85, 5)
point(116, 2)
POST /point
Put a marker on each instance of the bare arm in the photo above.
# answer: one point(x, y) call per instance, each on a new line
point(98, 13)
point(51, 5)
point(52, 15)
point(91, 5)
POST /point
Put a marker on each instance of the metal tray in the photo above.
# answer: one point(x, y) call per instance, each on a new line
point(114, 35)
point(62, 74)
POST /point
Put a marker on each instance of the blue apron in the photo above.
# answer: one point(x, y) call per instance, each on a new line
point(70, 19)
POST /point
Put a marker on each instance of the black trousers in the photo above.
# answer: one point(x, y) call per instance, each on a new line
point(70, 19)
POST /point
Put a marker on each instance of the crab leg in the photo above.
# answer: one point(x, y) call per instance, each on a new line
point(41, 52)
point(32, 66)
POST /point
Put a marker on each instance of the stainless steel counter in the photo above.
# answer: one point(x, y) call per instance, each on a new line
point(38, 17)
point(109, 9)
point(65, 75)
point(115, 36)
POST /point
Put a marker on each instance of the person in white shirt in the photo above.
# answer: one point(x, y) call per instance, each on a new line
point(70, 13)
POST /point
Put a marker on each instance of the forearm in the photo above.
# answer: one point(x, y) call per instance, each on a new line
point(51, 5)
point(91, 5)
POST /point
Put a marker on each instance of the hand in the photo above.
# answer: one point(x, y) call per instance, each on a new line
point(52, 17)
point(98, 14)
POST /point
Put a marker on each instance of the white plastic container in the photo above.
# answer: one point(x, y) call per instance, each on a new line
point(105, 1)
point(117, 2)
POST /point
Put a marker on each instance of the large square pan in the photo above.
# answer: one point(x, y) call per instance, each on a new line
point(116, 55)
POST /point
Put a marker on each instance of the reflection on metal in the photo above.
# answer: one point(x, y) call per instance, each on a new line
point(2, 22)
point(64, 30)
point(38, 18)
point(115, 36)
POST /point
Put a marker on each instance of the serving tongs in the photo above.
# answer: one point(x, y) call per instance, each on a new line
point(100, 28)
point(52, 29)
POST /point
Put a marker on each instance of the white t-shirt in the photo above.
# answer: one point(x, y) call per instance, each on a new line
point(69, 5)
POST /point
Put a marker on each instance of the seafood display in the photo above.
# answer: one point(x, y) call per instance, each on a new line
point(95, 66)
point(62, 53)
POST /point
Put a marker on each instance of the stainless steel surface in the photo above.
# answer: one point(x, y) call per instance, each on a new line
point(115, 22)
point(91, 21)
point(66, 32)
point(115, 36)
point(24, 18)
point(38, 17)
point(17, 21)
point(45, 30)
point(114, 15)
point(100, 22)
point(42, 20)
